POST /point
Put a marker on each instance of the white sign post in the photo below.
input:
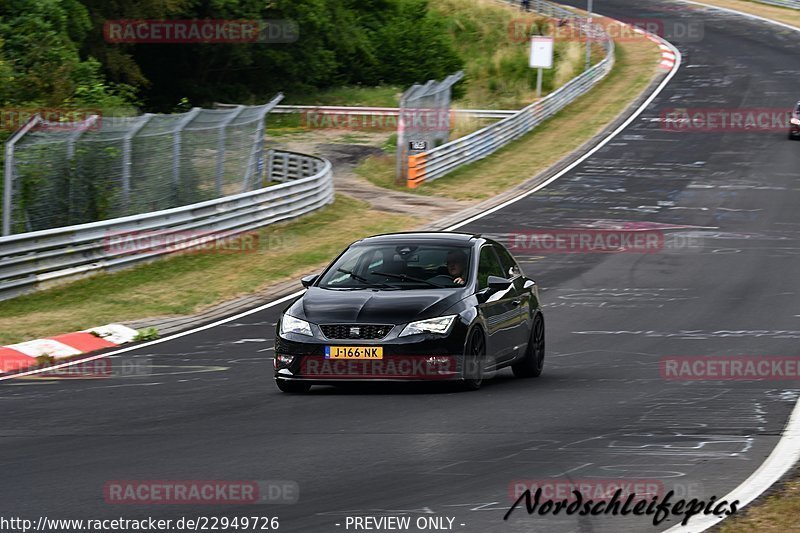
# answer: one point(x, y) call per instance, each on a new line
point(541, 57)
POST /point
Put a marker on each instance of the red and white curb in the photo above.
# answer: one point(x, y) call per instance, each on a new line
point(667, 54)
point(15, 357)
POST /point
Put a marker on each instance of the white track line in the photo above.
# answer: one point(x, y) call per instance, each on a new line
point(158, 341)
point(787, 451)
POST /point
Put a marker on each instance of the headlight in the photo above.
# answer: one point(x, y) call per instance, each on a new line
point(290, 324)
point(440, 325)
point(795, 121)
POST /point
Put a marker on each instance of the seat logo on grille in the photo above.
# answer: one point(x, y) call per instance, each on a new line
point(355, 332)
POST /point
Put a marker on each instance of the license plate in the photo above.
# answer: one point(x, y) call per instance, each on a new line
point(353, 352)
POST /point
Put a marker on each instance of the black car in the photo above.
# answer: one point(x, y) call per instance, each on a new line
point(412, 306)
point(794, 122)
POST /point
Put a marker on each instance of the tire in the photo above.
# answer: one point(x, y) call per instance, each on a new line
point(533, 363)
point(474, 359)
point(292, 387)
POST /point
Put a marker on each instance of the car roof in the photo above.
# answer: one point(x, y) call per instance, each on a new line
point(429, 236)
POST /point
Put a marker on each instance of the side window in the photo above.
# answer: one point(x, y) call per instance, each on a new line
point(510, 266)
point(488, 265)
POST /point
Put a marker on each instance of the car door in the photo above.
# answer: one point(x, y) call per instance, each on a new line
point(522, 300)
point(497, 308)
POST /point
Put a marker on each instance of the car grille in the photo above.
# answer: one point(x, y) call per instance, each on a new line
point(355, 331)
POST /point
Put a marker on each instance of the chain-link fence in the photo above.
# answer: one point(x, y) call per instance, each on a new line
point(62, 174)
point(424, 119)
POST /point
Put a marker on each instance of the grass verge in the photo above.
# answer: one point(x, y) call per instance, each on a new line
point(633, 71)
point(781, 14)
point(190, 282)
point(777, 514)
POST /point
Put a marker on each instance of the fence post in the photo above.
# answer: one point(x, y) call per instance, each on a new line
point(126, 156)
point(221, 147)
point(176, 149)
point(72, 140)
point(9, 170)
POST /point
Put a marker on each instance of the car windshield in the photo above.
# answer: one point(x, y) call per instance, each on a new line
point(399, 266)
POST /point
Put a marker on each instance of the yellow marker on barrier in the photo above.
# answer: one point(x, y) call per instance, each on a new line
point(416, 170)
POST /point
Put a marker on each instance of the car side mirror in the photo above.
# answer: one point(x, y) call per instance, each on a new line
point(308, 281)
point(496, 283)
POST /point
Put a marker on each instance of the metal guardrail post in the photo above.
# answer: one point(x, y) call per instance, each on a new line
point(8, 183)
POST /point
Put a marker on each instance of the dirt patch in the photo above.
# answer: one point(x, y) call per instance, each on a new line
point(346, 156)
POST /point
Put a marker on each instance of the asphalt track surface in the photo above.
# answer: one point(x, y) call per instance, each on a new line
point(601, 411)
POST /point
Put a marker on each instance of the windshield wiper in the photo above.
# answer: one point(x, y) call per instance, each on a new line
point(362, 279)
point(404, 277)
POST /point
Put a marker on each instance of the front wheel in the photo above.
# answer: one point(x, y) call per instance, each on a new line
point(474, 360)
point(533, 363)
point(295, 387)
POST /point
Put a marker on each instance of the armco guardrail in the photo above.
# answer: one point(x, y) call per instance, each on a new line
point(443, 159)
point(29, 261)
point(791, 4)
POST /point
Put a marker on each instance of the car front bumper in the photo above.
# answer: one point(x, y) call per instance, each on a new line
point(416, 358)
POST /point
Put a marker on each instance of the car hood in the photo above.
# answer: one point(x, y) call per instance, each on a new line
point(323, 306)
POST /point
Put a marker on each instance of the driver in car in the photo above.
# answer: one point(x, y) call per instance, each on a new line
point(456, 264)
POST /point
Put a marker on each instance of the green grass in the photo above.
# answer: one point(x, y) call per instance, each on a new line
point(494, 39)
point(382, 96)
point(776, 514)
point(189, 282)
